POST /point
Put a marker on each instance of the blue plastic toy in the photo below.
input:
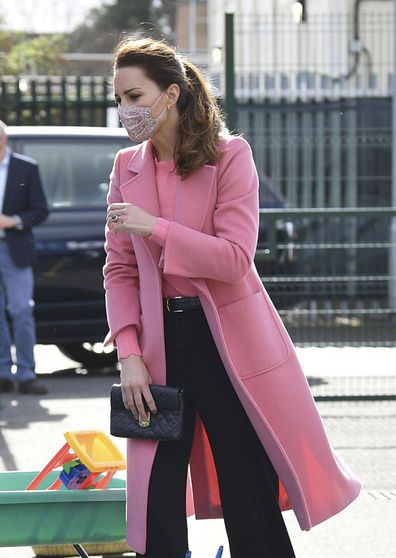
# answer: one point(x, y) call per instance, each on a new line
point(74, 473)
point(218, 555)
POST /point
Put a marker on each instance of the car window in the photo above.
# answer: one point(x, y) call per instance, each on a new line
point(268, 197)
point(75, 172)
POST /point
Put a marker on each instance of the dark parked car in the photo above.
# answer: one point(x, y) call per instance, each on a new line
point(286, 254)
point(75, 163)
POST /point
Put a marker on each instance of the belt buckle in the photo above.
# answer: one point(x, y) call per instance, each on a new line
point(168, 307)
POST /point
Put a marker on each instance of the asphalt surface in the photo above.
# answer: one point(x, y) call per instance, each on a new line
point(362, 432)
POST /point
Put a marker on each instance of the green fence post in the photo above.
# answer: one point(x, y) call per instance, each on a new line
point(33, 103)
point(93, 102)
point(64, 113)
point(48, 102)
point(105, 102)
point(230, 72)
point(392, 250)
point(78, 103)
point(18, 104)
point(3, 104)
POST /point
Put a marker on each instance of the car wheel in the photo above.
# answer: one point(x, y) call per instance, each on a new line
point(91, 355)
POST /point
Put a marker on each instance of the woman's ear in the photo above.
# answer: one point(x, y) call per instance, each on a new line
point(173, 93)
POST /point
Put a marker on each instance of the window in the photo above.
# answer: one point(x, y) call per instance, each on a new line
point(75, 172)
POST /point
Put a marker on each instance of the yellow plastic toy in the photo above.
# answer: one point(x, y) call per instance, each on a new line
point(85, 456)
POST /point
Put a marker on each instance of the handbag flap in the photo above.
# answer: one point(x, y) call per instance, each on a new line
point(166, 424)
point(165, 397)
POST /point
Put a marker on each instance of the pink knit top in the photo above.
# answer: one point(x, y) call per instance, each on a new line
point(167, 182)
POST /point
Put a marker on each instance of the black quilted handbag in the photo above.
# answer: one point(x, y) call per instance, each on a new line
point(165, 425)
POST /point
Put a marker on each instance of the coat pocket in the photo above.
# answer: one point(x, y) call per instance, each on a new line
point(254, 335)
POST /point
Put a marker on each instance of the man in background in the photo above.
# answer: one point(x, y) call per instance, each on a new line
point(22, 206)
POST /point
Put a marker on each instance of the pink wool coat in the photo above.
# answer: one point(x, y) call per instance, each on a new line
point(212, 241)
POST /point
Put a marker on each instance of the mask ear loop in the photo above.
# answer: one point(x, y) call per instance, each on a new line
point(152, 106)
point(166, 109)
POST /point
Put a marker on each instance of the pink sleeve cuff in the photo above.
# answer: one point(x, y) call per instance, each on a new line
point(160, 231)
point(127, 342)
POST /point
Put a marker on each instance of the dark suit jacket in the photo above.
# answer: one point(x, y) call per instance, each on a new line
point(24, 196)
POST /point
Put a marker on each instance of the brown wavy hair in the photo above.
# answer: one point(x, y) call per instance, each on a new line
point(200, 118)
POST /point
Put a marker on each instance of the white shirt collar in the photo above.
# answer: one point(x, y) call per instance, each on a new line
point(6, 159)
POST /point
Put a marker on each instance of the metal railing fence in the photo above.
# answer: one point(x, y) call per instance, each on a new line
point(330, 278)
point(55, 101)
point(329, 274)
point(323, 154)
point(329, 56)
point(317, 154)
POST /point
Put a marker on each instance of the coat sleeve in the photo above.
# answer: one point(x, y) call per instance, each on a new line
point(229, 253)
point(38, 209)
point(121, 275)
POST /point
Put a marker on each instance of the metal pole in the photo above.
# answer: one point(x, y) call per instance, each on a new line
point(192, 26)
point(274, 31)
point(230, 72)
point(392, 253)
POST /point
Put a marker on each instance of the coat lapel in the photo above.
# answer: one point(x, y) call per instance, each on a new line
point(138, 183)
point(138, 186)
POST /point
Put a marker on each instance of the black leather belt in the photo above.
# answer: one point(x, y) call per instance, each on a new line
point(182, 303)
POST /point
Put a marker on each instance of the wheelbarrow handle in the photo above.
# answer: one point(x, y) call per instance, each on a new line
point(81, 551)
point(218, 555)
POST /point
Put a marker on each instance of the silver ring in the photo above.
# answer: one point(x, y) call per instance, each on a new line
point(115, 218)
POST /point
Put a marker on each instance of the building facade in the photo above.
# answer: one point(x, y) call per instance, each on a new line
point(306, 49)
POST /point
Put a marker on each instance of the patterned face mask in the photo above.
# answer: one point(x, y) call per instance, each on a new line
point(138, 121)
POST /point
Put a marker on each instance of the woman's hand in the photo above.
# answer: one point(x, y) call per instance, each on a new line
point(125, 217)
point(135, 381)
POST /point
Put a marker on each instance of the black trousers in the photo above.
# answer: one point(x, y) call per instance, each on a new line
point(247, 480)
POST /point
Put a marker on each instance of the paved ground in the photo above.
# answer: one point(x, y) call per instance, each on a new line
point(364, 433)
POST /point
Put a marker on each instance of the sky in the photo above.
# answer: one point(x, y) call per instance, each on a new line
point(40, 16)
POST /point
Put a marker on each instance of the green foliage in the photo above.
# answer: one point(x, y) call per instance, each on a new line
point(20, 54)
point(106, 25)
point(7, 42)
point(124, 14)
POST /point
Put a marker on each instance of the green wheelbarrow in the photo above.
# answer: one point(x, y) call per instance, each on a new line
point(53, 517)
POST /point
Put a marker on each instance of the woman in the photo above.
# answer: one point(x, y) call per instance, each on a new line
point(186, 307)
